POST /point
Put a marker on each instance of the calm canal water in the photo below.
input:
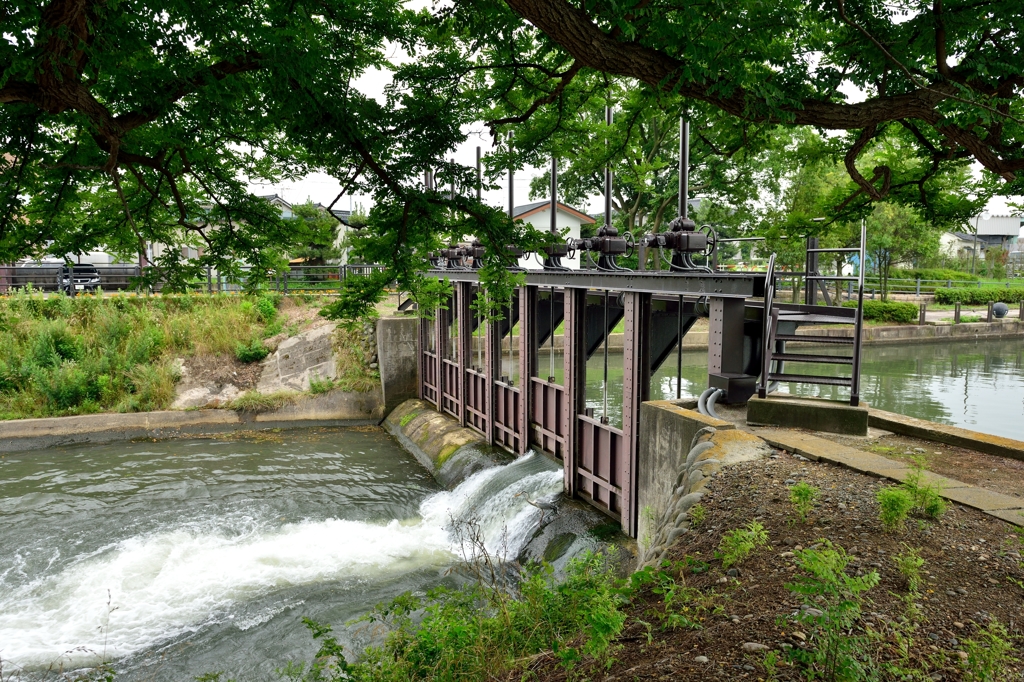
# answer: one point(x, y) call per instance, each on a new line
point(978, 385)
point(177, 558)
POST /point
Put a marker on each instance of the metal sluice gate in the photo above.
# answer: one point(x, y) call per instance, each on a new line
point(493, 381)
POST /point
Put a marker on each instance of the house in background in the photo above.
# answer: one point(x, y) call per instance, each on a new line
point(999, 231)
point(538, 214)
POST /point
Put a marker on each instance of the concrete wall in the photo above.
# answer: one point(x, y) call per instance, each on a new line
point(335, 408)
point(671, 481)
point(449, 451)
point(398, 358)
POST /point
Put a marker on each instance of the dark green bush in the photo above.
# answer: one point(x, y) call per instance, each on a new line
point(254, 351)
point(266, 309)
point(887, 311)
point(979, 296)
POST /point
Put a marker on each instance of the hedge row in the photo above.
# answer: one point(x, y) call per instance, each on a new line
point(887, 311)
point(979, 296)
point(940, 274)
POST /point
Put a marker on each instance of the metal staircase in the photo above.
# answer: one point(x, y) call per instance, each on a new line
point(782, 320)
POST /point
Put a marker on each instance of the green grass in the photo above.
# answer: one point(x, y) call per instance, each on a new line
point(62, 356)
point(256, 402)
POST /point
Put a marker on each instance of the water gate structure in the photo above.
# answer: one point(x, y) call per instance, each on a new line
point(488, 376)
point(518, 405)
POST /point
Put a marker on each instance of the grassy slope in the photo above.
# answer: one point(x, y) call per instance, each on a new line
point(61, 356)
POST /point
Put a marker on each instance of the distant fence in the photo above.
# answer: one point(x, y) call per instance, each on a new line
point(322, 279)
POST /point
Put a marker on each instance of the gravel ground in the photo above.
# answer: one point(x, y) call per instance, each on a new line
point(971, 575)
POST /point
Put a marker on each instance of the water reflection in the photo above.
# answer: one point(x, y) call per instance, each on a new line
point(975, 384)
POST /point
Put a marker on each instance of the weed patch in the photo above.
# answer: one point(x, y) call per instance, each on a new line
point(737, 545)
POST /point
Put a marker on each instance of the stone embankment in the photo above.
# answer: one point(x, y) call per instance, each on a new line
point(671, 483)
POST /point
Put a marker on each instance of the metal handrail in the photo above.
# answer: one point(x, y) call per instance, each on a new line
point(859, 321)
point(769, 296)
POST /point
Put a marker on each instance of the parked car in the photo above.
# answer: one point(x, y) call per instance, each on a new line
point(84, 277)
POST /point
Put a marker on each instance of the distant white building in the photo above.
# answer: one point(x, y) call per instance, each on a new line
point(999, 231)
point(538, 214)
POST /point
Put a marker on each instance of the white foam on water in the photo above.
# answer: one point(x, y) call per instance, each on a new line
point(177, 580)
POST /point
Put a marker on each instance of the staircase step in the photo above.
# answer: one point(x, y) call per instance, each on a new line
point(811, 379)
point(825, 359)
point(407, 304)
point(811, 338)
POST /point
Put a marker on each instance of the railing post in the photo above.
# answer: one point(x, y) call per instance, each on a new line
point(923, 313)
point(956, 313)
point(209, 280)
point(918, 286)
point(574, 358)
point(635, 390)
point(988, 318)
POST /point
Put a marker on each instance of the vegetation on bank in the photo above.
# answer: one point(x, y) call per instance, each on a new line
point(979, 295)
point(887, 311)
point(63, 356)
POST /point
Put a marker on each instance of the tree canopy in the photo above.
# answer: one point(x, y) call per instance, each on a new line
point(125, 124)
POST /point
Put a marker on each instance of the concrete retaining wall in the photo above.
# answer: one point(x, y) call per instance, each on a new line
point(944, 433)
point(335, 408)
point(673, 477)
point(398, 357)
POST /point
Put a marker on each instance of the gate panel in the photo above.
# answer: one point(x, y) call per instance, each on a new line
point(506, 416)
point(450, 399)
point(476, 401)
point(598, 471)
point(547, 425)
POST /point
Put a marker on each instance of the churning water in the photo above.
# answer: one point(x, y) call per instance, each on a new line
point(182, 557)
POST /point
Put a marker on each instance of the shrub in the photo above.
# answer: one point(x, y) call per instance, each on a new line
point(927, 497)
point(909, 563)
point(266, 308)
point(698, 515)
point(737, 545)
point(979, 295)
point(940, 274)
point(254, 351)
point(895, 504)
point(989, 655)
point(318, 385)
point(887, 311)
point(802, 496)
point(838, 598)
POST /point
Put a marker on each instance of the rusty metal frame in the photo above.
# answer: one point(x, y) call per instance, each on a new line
point(636, 385)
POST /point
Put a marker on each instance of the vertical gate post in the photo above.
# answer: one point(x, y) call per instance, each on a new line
point(527, 360)
point(636, 351)
point(440, 348)
point(465, 348)
point(491, 356)
point(424, 337)
point(574, 357)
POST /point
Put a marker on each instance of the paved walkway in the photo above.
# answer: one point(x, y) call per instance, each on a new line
point(1005, 507)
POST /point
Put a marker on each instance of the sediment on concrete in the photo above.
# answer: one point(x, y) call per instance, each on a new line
point(944, 433)
point(673, 476)
point(817, 414)
point(1005, 507)
point(448, 450)
point(335, 408)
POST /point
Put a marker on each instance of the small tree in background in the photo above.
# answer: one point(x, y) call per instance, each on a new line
point(317, 234)
point(897, 234)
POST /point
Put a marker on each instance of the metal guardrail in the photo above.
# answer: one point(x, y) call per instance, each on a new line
point(47, 278)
